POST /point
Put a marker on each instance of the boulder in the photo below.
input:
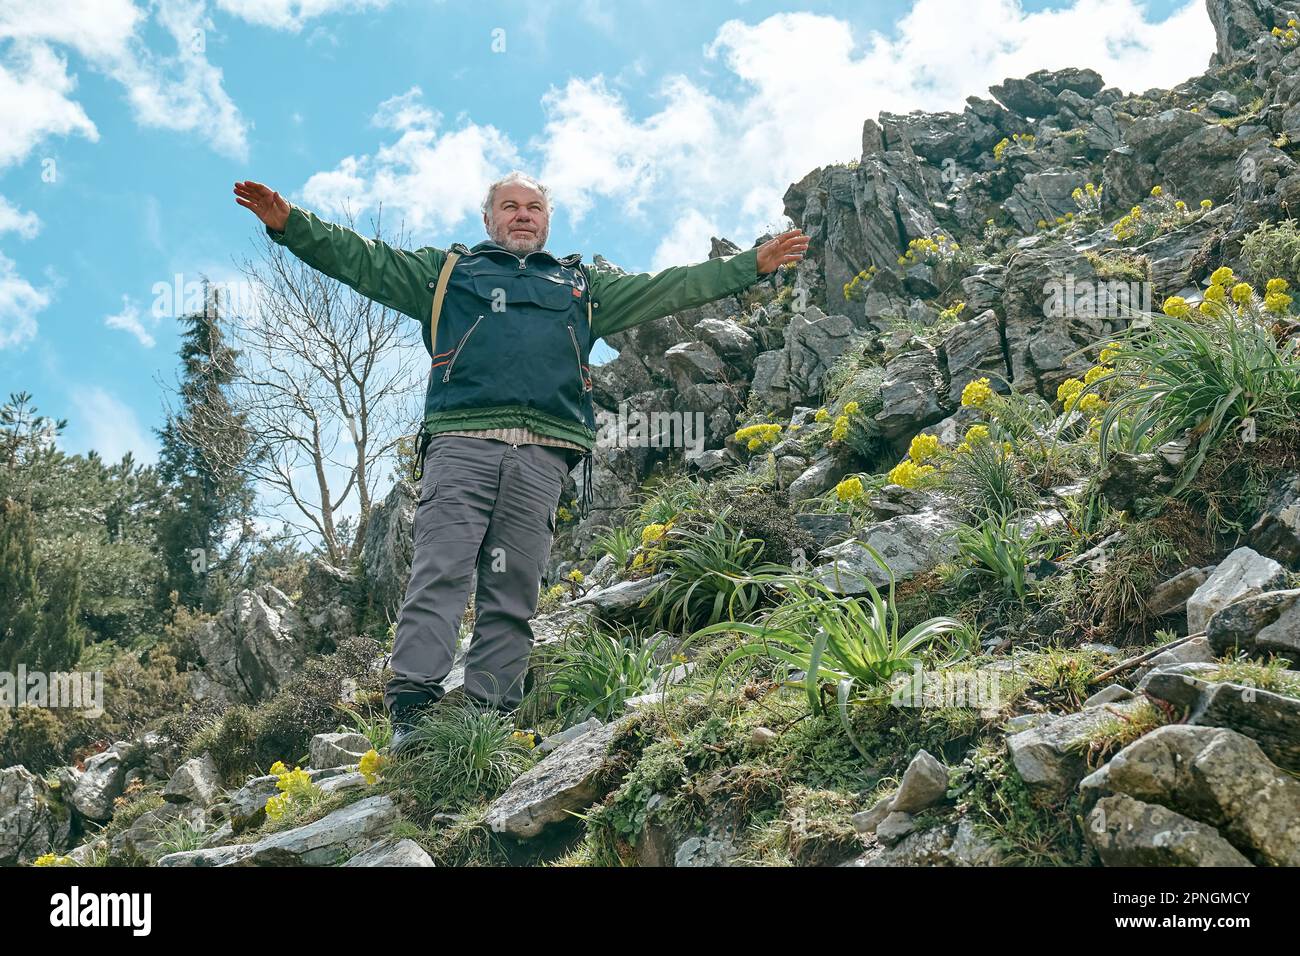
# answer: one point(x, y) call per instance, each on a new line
point(1265, 624)
point(196, 781)
point(392, 853)
point(337, 750)
point(1243, 573)
point(1128, 832)
point(32, 821)
point(571, 778)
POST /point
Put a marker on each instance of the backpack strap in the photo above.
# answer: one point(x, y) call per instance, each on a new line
point(439, 293)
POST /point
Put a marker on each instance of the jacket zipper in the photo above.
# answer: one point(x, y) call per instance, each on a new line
point(582, 379)
point(446, 376)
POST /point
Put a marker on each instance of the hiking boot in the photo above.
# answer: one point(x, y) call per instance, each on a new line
point(405, 718)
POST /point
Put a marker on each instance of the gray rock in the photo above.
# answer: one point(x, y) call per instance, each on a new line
point(925, 783)
point(337, 750)
point(388, 546)
point(818, 478)
point(556, 741)
point(330, 840)
point(909, 545)
point(623, 596)
point(1215, 776)
point(250, 649)
point(196, 781)
point(32, 821)
point(571, 778)
point(101, 782)
point(1272, 720)
point(1051, 755)
point(392, 853)
point(1110, 694)
point(973, 349)
point(761, 737)
point(1267, 623)
point(1277, 532)
point(1244, 573)
point(866, 821)
point(1171, 596)
point(1195, 651)
point(1128, 832)
point(894, 827)
point(910, 395)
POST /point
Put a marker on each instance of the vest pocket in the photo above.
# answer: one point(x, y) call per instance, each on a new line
point(446, 376)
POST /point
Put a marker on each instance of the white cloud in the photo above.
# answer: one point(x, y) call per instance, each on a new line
point(109, 426)
point(292, 14)
point(13, 219)
point(19, 303)
point(687, 241)
point(806, 87)
point(35, 101)
point(432, 179)
point(128, 320)
point(181, 91)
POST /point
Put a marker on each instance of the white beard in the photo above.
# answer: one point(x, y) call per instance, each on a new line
point(520, 247)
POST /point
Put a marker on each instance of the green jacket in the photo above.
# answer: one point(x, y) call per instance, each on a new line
point(403, 280)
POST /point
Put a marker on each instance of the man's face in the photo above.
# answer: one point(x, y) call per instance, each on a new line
point(518, 219)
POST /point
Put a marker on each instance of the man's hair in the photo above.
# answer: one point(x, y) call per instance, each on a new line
point(516, 176)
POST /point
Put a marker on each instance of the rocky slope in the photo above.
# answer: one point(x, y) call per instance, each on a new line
point(937, 258)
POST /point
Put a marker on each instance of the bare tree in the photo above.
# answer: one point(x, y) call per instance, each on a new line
point(325, 381)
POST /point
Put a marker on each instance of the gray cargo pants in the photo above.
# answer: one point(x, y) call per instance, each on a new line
point(489, 506)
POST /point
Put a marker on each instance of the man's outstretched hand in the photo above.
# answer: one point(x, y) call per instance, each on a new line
point(787, 247)
point(267, 204)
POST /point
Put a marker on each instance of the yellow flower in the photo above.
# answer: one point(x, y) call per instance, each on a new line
point(563, 513)
point(576, 576)
point(1277, 302)
point(1156, 190)
point(923, 448)
point(1109, 354)
point(652, 532)
point(976, 394)
point(278, 768)
point(1216, 293)
point(822, 415)
point(849, 488)
point(1277, 285)
point(1090, 403)
point(1096, 372)
point(963, 448)
point(1180, 205)
point(639, 560)
point(840, 430)
point(1206, 204)
point(1242, 293)
point(525, 738)
point(1067, 393)
point(1208, 308)
point(909, 474)
point(1221, 275)
point(976, 434)
point(371, 764)
point(851, 408)
point(1176, 307)
point(276, 806)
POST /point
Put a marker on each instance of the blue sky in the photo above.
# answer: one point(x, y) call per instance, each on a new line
point(658, 124)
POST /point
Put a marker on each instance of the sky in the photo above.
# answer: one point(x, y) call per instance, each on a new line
point(658, 124)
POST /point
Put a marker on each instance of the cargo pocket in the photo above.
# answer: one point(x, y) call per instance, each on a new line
point(424, 514)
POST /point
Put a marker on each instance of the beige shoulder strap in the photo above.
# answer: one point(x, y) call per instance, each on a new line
point(439, 292)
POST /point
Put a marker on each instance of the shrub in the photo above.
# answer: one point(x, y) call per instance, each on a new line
point(593, 672)
point(457, 755)
point(1272, 250)
point(1204, 377)
point(853, 642)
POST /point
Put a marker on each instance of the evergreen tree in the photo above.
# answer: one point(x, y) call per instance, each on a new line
point(202, 447)
point(20, 590)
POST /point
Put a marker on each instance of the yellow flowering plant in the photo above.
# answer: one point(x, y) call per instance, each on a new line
point(1160, 213)
point(758, 437)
